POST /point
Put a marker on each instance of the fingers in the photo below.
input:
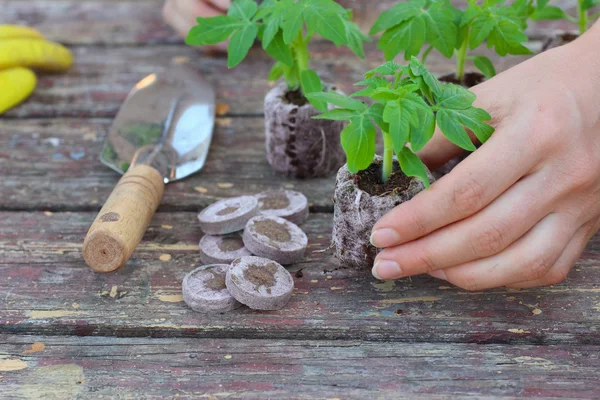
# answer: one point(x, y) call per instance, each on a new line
point(471, 186)
point(222, 5)
point(438, 151)
point(182, 14)
point(530, 258)
point(482, 235)
point(565, 263)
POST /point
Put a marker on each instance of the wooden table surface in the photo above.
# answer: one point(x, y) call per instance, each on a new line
point(67, 332)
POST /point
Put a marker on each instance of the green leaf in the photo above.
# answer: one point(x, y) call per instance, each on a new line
point(366, 92)
point(398, 114)
point(453, 130)
point(311, 83)
point(280, 51)
point(455, 97)
point(375, 112)
point(418, 69)
point(587, 4)
point(412, 165)
point(240, 44)
point(473, 118)
point(422, 133)
point(441, 30)
point(480, 30)
point(374, 82)
point(323, 17)
point(339, 114)
point(408, 36)
point(389, 68)
point(395, 15)
point(384, 94)
point(356, 38)
point(243, 9)
point(358, 141)
point(548, 13)
point(212, 30)
point(485, 66)
point(271, 30)
point(276, 72)
point(507, 37)
point(338, 100)
point(291, 23)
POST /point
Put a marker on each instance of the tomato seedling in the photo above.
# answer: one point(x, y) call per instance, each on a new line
point(284, 27)
point(406, 104)
point(544, 11)
point(409, 26)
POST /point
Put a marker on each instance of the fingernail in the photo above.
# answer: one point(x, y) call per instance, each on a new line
point(439, 274)
point(384, 237)
point(386, 269)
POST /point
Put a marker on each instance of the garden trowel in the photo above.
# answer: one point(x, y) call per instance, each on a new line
point(162, 133)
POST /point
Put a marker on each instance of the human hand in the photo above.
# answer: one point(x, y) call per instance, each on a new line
point(519, 211)
point(182, 14)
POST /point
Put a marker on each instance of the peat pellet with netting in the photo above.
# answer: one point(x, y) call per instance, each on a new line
point(204, 290)
point(222, 249)
point(275, 238)
point(228, 215)
point(259, 283)
point(287, 204)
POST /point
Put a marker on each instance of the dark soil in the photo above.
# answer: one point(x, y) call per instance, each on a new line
point(275, 201)
point(261, 275)
point(273, 230)
point(217, 282)
point(227, 211)
point(469, 80)
point(230, 243)
point(295, 97)
point(369, 180)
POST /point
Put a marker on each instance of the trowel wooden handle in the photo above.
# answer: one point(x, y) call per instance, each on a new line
point(121, 223)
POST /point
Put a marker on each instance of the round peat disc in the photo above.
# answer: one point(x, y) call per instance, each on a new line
point(205, 291)
point(259, 283)
point(228, 215)
point(287, 204)
point(275, 238)
point(222, 249)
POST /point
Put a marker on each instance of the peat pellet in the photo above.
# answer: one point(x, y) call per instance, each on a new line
point(228, 215)
point(287, 204)
point(205, 291)
point(222, 249)
point(275, 238)
point(259, 283)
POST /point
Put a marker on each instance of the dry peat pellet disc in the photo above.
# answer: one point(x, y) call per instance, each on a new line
point(222, 249)
point(287, 204)
point(275, 238)
point(259, 283)
point(205, 291)
point(228, 215)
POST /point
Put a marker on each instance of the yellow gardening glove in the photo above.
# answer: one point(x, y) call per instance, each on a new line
point(21, 47)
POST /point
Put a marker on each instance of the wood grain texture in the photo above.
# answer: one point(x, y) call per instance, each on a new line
point(47, 289)
point(53, 164)
point(123, 219)
point(71, 367)
point(101, 77)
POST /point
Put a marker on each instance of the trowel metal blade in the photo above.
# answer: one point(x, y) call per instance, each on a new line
point(167, 122)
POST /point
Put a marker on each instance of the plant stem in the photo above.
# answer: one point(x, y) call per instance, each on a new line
point(300, 52)
point(461, 58)
point(425, 54)
point(388, 157)
point(583, 17)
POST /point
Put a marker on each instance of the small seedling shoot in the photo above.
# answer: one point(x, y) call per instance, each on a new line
point(545, 11)
point(285, 28)
point(410, 26)
point(406, 103)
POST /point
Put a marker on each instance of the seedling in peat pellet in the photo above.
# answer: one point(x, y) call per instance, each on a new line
point(409, 26)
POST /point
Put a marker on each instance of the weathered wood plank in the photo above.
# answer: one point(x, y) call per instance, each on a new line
point(101, 77)
point(47, 289)
point(131, 22)
point(53, 164)
point(70, 367)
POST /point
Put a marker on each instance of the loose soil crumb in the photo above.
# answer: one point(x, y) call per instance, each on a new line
point(295, 97)
point(273, 230)
point(217, 282)
point(261, 275)
point(227, 211)
point(230, 243)
point(469, 80)
point(275, 201)
point(369, 180)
